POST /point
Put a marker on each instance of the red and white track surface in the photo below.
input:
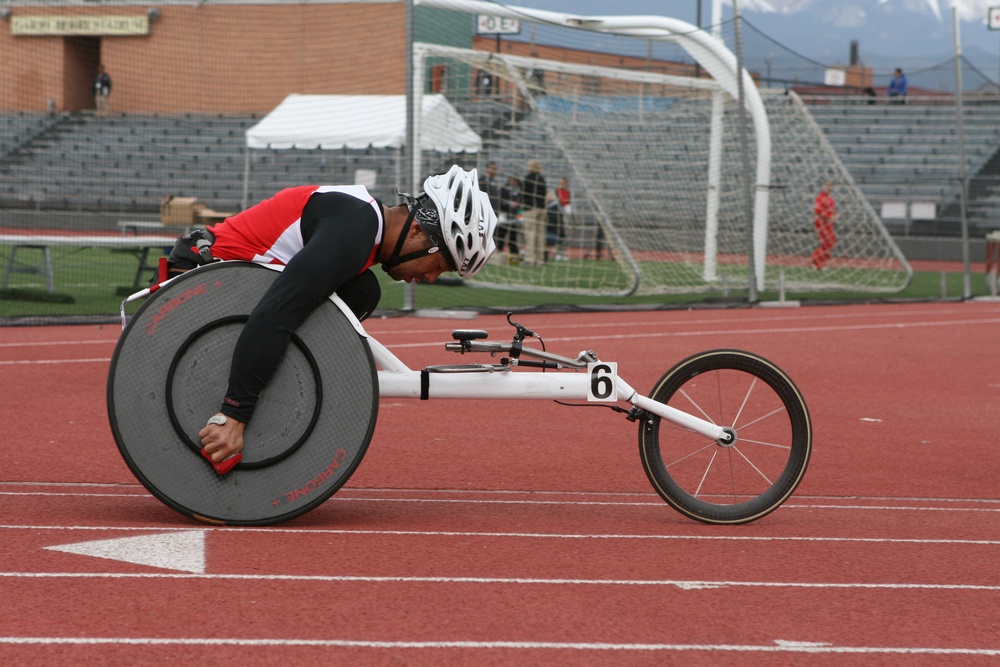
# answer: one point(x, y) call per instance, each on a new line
point(525, 532)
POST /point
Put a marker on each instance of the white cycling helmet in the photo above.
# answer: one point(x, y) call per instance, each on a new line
point(465, 219)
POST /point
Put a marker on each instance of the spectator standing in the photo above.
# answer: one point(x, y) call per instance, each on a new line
point(825, 209)
point(533, 191)
point(897, 87)
point(490, 184)
point(102, 90)
point(509, 219)
point(553, 227)
point(565, 216)
point(562, 192)
point(484, 83)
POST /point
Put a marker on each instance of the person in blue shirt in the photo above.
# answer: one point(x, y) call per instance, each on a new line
point(897, 87)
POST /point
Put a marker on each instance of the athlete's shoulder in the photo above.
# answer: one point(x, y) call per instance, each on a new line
point(358, 192)
point(350, 200)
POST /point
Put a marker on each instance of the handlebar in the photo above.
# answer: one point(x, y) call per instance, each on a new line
point(517, 350)
point(471, 341)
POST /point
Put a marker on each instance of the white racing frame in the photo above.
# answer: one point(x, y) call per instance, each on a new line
point(397, 380)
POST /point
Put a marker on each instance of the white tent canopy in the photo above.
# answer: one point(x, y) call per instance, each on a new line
point(359, 121)
point(333, 122)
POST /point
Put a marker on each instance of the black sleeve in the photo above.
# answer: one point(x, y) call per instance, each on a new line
point(337, 247)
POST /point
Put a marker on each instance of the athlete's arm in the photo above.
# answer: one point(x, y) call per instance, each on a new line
point(337, 248)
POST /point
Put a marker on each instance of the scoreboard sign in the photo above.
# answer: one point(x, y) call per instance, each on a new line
point(495, 25)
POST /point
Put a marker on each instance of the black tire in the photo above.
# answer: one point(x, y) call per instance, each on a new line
point(727, 483)
point(169, 372)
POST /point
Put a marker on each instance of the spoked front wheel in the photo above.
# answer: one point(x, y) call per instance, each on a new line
point(740, 480)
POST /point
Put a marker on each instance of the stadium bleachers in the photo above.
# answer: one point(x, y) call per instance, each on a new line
point(20, 128)
point(910, 153)
point(126, 163)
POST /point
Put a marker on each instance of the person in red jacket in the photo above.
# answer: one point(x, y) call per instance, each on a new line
point(328, 238)
point(825, 210)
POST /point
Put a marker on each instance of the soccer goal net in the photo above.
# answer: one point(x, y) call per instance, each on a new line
point(646, 212)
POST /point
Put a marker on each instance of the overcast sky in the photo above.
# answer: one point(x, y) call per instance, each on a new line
point(850, 11)
point(906, 29)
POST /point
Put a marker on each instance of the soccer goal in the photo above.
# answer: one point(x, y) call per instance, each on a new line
point(652, 159)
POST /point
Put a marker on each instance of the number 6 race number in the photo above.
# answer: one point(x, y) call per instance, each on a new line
point(603, 381)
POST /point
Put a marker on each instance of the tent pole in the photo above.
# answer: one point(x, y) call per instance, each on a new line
point(246, 177)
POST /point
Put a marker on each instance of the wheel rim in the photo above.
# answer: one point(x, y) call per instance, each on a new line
point(728, 481)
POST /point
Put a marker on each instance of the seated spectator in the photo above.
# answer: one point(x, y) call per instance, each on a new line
point(897, 88)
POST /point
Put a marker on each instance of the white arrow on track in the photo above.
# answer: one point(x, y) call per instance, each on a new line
point(184, 550)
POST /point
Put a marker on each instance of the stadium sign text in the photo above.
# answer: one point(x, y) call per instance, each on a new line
point(495, 25)
point(34, 26)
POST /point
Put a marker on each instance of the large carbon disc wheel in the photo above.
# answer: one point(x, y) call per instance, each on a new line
point(168, 375)
point(736, 481)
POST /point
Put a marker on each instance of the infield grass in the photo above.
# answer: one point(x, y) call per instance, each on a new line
point(93, 282)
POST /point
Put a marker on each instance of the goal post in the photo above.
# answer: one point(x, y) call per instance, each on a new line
point(708, 50)
point(652, 160)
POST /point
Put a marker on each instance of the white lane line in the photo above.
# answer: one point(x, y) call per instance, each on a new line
point(779, 646)
point(805, 329)
point(56, 494)
point(526, 492)
point(616, 324)
point(60, 343)
point(42, 362)
point(653, 502)
point(106, 485)
point(498, 534)
point(799, 316)
point(891, 508)
point(744, 332)
point(319, 578)
point(365, 493)
point(659, 334)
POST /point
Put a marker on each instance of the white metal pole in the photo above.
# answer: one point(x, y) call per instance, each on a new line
point(413, 109)
point(962, 179)
point(246, 176)
point(710, 267)
point(745, 161)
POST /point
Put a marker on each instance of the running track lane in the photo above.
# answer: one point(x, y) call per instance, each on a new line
point(512, 580)
point(860, 561)
point(419, 575)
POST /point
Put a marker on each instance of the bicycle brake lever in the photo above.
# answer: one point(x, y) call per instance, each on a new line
point(521, 331)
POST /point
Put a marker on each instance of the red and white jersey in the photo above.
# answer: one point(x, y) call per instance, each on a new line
point(271, 232)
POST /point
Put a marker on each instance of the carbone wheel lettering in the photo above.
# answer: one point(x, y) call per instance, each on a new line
point(172, 305)
point(316, 481)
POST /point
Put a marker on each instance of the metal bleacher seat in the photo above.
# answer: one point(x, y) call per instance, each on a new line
point(86, 153)
point(910, 151)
